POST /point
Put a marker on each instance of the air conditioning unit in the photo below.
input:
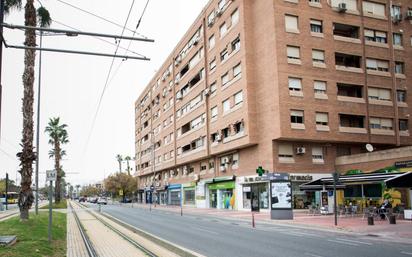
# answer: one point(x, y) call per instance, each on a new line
point(342, 7)
point(218, 138)
point(397, 18)
point(300, 150)
point(219, 12)
point(196, 177)
point(196, 41)
point(409, 15)
point(179, 96)
point(163, 78)
point(164, 93)
point(211, 22)
point(222, 168)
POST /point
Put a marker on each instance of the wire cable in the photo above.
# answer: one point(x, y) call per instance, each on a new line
point(8, 155)
point(97, 16)
point(106, 83)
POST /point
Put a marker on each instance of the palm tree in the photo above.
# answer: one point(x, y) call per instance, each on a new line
point(119, 158)
point(27, 155)
point(58, 136)
point(127, 159)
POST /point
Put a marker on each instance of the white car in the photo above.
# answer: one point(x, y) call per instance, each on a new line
point(102, 200)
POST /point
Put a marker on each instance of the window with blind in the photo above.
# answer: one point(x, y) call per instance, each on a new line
point(376, 36)
point(225, 79)
point(373, 8)
point(401, 96)
point(235, 17)
point(318, 56)
point(378, 65)
point(379, 94)
point(222, 29)
point(214, 112)
point(380, 123)
point(295, 84)
point(322, 118)
point(239, 97)
point(399, 68)
point(285, 151)
point(226, 105)
point(316, 26)
point(319, 87)
point(397, 39)
point(296, 116)
point(403, 125)
point(291, 23)
point(293, 52)
point(212, 41)
point(317, 153)
point(237, 70)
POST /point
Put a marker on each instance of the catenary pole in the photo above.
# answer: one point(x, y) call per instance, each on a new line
point(1, 53)
point(38, 128)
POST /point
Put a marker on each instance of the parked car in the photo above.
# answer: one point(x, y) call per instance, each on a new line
point(82, 199)
point(125, 200)
point(93, 199)
point(102, 200)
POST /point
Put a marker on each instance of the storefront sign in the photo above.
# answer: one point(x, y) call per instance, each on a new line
point(403, 164)
point(281, 195)
point(223, 185)
point(246, 189)
point(191, 184)
point(200, 190)
point(174, 186)
point(278, 176)
point(302, 178)
point(256, 179)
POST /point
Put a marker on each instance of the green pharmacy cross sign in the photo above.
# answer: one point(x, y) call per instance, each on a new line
point(260, 171)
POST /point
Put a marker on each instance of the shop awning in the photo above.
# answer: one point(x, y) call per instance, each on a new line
point(344, 180)
point(227, 178)
point(402, 180)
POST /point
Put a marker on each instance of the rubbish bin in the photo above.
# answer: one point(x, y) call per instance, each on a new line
point(370, 221)
point(392, 219)
point(1, 206)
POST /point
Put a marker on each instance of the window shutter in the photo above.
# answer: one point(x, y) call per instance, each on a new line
point(386, 123)
point(384, 94)
point(320, 85)
point(383, 64)
point(296, 113)
point(371, 63)
point(369, 33)
point(318, 55)
point(321, 117)
point(285, 149)
point(375, 121)
point(293, 52)
point(380, 34)
point(379, 9)
point(373, 92)
point(295, 83)
point(291, 22)
point(316, 150)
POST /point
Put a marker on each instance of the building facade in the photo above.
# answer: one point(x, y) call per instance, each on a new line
point(288, 85)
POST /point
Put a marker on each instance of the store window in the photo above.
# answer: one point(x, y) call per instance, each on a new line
point(255, 192)
point(189, 196)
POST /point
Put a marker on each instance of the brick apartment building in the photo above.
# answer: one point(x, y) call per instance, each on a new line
point(284, 84)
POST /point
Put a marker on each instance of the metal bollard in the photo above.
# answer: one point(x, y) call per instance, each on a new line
point(392, 219)
point(370, 221)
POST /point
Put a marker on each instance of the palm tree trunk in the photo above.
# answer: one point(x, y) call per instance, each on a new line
point(27, 156)
point(57, 157)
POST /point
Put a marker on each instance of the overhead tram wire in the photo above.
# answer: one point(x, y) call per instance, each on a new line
point(101, 39)
point(130, 43)
point(98, 16)
point(8, 155)
point(106, 83)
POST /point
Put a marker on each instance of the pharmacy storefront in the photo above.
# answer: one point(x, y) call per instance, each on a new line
point(253, 191)
point(222, 193)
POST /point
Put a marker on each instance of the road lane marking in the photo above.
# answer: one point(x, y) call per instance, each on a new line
point(407, 253)
point(342, 242)
point(206, 230)
point(307, 234)
point(313, 255)
point(353, 241)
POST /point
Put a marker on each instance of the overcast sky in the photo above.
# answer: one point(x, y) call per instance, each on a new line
point(72, 84)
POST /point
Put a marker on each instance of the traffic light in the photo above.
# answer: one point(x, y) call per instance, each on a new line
point(260, 171)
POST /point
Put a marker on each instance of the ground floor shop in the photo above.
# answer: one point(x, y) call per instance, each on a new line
point(221, 193)
point(189, 194)
point(174, 194)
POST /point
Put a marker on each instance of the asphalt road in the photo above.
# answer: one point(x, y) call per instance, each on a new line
point(211, 236)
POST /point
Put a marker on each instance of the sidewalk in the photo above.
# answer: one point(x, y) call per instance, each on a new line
point(400, 232)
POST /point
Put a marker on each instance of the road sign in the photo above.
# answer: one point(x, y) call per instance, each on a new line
point(120, 192)
point(51, 175)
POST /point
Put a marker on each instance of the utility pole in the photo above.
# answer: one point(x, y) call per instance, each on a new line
point(7, 186)
point(335, 209)
point(38, 129)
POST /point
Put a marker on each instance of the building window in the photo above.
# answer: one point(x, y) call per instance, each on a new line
point(236, 44)
point(401, 96)
point(221, 4)
point(291, 23)
point(296, 116)
point(222, 29)
point(347, 60)
point(378, 65)
point(295, 84)
point(224, 55)
point(349, 90)
point(396, 10)
point(373, 8)
point(285, 151)
point(319, 87)
point(211, 164)
point(318, 56)
point(380, 123)
point(214, 112)
point(345, 30)
point(403, 125)
point(351, 121)
point(213, 88)
point(376, 36)
point(235, 161)
point(225, 79)
point(237, 71)
point(211, 18)
point(226, 105)
point(239, 97)
point(399, 68)
point(379, 94)
point(212, 65)
point(397, 39)
point(322, 118)
point(235, 17)
point(317, 154)
point(212, 41)
point(293, 52)
point(316, 26)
